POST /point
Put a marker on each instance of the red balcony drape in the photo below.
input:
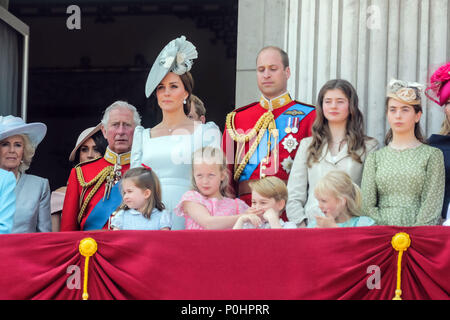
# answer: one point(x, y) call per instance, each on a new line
point(228, 264)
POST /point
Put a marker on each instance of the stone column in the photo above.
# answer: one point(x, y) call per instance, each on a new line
point(4, 4)
point(260, 23)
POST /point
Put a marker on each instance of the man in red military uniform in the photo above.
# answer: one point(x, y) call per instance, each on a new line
point(261, 139)
point(92, 191)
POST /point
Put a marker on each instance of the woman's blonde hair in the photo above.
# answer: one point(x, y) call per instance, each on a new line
point(445, 128)
point(210, 155)
point(145, 178)
point(339, 184)
point(270, 187)
point(28, 153)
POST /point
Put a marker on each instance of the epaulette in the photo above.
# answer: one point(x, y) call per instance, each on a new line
point(86, 162)
point(245, 107)
point(305, 104)
point(96, 182)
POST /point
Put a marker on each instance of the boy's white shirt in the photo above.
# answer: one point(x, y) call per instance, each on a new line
point(266, 225)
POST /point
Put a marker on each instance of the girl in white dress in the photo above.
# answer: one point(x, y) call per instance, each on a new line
point(168, 146)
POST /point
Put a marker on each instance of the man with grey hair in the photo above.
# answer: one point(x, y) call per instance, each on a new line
point(92, 191)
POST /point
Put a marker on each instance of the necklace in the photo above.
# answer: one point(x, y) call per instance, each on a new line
point(404, 147)
point(338, 144)
point(170, 129)
point(181, 123)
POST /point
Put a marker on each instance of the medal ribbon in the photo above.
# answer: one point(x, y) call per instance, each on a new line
point(261, 151)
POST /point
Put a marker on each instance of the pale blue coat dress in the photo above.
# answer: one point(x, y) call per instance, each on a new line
point(170, 158)
point(32, 205)
point(7, 200)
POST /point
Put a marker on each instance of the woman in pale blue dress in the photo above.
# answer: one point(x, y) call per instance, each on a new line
point(168, 146)
point(7, 201)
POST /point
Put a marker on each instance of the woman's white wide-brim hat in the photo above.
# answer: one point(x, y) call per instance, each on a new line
point(11, 126)
point(82, 138)
point(176, 57)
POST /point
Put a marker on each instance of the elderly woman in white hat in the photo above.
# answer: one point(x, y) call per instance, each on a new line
point(90, 145)
point(18, 143)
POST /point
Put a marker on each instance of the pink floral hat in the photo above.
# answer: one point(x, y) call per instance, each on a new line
point(439, 88)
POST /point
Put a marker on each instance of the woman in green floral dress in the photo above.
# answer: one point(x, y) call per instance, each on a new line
point(403, 183)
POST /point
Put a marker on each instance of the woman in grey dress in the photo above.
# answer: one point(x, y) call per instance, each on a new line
point(18, 143)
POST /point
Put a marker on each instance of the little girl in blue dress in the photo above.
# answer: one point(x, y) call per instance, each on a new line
point(141, 208)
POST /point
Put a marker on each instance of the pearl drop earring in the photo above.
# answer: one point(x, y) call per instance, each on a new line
point(184, 101)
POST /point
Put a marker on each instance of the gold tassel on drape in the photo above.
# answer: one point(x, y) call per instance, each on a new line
point(400, 242)
point(87, 248)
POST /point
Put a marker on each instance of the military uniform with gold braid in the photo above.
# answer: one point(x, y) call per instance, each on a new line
point(261, 139)
point(93, 192)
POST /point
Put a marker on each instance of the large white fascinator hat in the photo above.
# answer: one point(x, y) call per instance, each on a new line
point(11, 126)
point(176, 57)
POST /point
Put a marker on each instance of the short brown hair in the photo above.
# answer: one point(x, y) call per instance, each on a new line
point(198, 105)
point(283, 54)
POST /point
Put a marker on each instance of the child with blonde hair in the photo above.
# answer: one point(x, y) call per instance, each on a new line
point(141, 208)
point(269, 195)
point(340, 201)
point(209, 205)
